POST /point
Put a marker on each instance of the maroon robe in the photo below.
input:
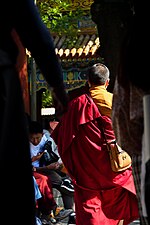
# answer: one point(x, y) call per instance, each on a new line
point(47, 203)
point(101, 195)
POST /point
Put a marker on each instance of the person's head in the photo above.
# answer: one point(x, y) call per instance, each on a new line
point(98, 74)
point(35, 132)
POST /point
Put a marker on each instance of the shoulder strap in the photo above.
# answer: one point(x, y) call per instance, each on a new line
point(100, 124)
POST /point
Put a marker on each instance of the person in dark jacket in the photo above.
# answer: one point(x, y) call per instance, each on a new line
point(22, 19)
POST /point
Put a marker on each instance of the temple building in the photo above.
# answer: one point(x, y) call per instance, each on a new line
point(75, 59)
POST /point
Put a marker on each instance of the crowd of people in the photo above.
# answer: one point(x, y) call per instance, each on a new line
point(82, 150)
point(92, 185)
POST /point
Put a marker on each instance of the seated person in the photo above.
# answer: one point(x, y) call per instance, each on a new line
point(37, 141)
point(48, 127)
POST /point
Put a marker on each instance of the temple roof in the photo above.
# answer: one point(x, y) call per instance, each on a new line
point(84, 46)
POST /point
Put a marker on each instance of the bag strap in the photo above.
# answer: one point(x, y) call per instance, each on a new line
point(101, 127)
point(100, 124)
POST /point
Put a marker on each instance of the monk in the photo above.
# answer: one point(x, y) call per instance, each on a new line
point(102, 197)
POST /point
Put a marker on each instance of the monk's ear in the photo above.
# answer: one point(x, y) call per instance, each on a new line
point(107, 83)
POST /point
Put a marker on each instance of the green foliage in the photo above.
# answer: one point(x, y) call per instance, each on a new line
point(47, 99)
point(59, 16)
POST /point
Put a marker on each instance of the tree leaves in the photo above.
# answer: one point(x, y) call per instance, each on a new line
point(60, 17)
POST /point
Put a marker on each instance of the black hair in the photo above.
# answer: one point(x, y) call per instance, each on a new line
point(35, 127)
